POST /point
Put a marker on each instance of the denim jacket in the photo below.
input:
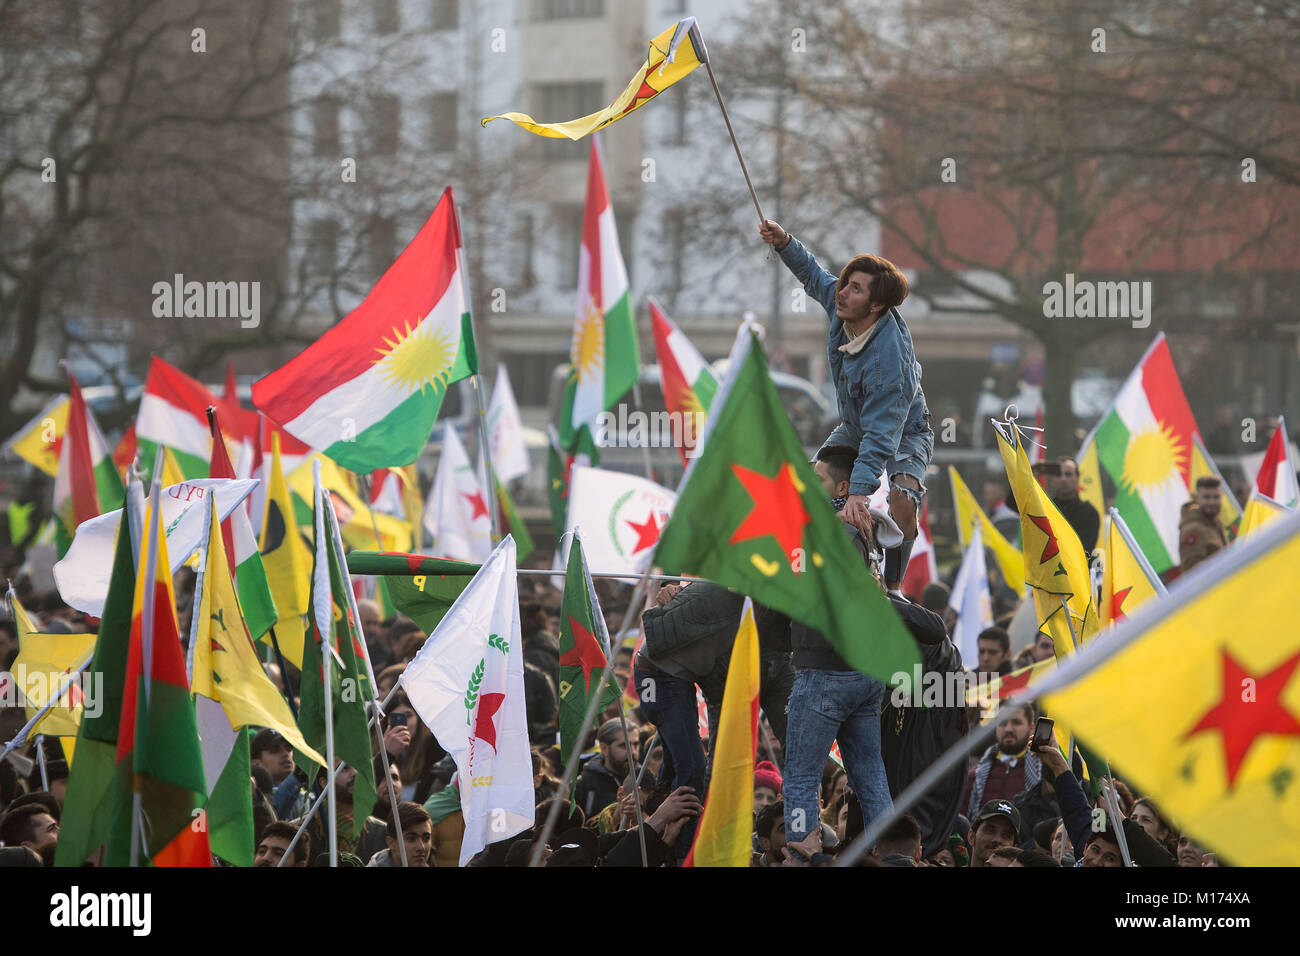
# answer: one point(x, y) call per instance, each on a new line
point(879, 389)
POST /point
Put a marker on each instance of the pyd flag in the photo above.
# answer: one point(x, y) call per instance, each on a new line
point(286, 560)
point(584, 651)
point(672, 55)
point(971, 600)
point(457, 513)
point(86, 484)
point(1054, 561)
point(723, 835)
point(688, 384)
point(603, 355)
point(88, 805)
point(358, 520)
point(159, 782)
point(1128, 579)
point(921, 567)
point(40, 440)
point(559, 466)
point(1203, 465)
point(173, 413)
point(333, 631)
point(1196, 700)
point(621, 517)
point(231, 691)
point(1090, 488)
point(1145, 443)
point(1276, 478)
point(1260, 511)
point(505, 430)
point(55, 657)
point(467, 685)
point(84, 574)
point(752, 516)
point(969, 513)
point(367, 392)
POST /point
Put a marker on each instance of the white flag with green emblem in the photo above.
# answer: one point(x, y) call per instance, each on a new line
point(621, 517)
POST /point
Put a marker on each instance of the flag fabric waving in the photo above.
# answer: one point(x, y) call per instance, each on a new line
point(673, 53)
point(53, 657)
point(603, 355)
point(559, 468)
point(359, 521)
point(1194, 700)
point(40, 440)
point(506, 430)
point(723, 837)
point(457, 513)
point(921, 566)
point(971, 600)
point(1203, 465)
point(367, 392)
point(1260, 511)
point(86, 484)
point(467, 685)
point(688, 384)
point(969, 512)
point(621, 517)
point(1128, 579)
point(286, 561)
point(1277, 478)
point(751, 515)
point(173, 413)
point(584, 651)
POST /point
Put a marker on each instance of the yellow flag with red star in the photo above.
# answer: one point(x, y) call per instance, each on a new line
point(1196, 700)
point(1128, 579)
point(41, 439)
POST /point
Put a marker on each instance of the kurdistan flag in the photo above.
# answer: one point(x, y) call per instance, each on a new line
point(1196, 700)
point(1128, 579)
point(584, 651)
point(1145, 444)
point(367, 392)
point(1276, 478)
point(603, 356)
point(1009, 558)
point(467, 685)
point(688, 385)
point(751, 515)
point(87, 484)
point(1056, 567)
point(672, 55)
point(41, 438)
point(621, 517)
point(723, 836)
point(173, 413)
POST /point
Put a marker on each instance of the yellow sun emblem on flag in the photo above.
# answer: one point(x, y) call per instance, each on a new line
point(588, 351)
point(417, 358)
point(1153, 455)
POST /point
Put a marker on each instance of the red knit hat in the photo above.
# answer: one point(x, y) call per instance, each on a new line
point(766, 775)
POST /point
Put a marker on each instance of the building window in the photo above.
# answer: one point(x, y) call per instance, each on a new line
point(444, 14)
point(324, 18)
point(381, 246)
point(385, 118)
point(325, 126)
point(388, 16)
point(443, 130)
point(567, 9)
point(559, 103)
point(322, 247)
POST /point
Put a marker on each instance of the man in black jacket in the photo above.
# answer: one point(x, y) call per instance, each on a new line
point(604, 773)
point(1080, 515)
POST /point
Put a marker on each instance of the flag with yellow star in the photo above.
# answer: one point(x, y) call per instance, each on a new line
point(367, 391)
point(751, 515)
point(673, 53)
point(1196, 700)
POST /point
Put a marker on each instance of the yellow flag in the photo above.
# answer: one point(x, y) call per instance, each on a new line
point(672, 55)
point(226, 668)
point(1128, 580)
point(43, 663)
point(1090, 476)
point(1260, 510)
point(357, 522)
point(40, 439)
point(1009, 558)
point(723, 836)
point(1202, 464)
point(286, 560)
point(1196, 701)
point(1054, 561)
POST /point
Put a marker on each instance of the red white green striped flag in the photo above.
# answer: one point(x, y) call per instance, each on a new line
point(87, 484)
point(603, 355)
point(368, 391)
point(1145, 443)
point(688, 385)
point(1276, 478)
point(173, 412)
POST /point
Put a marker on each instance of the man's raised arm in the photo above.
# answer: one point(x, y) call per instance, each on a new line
point(817, 282)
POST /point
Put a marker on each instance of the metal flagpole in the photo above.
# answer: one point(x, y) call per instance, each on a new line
point(40, 759)
point(732, 133)
point(486, 447)
point(326, 631)
point(645, 446)
point(20, 738)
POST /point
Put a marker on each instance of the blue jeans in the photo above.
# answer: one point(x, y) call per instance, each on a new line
point(824, 706)
point(669, 703)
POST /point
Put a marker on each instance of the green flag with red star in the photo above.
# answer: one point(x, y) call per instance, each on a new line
point(752, 515)
point(584, 650)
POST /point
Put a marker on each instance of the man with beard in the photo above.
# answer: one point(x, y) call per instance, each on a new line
point(373, 834)
point(1007, 769)
point(997, 825)
point(1078, 514)
point(31, 825)
point(1200, 532)
point(603, 774)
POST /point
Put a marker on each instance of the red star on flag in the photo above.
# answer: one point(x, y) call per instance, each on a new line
point(646, 92)
point(485, 728)
point(478, 504)
point(647, 533)
point(778, 510)
point(1050, 550)
point(1242, 722)
point(586, 652)
point(1013, 683)
point(1116, 605)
